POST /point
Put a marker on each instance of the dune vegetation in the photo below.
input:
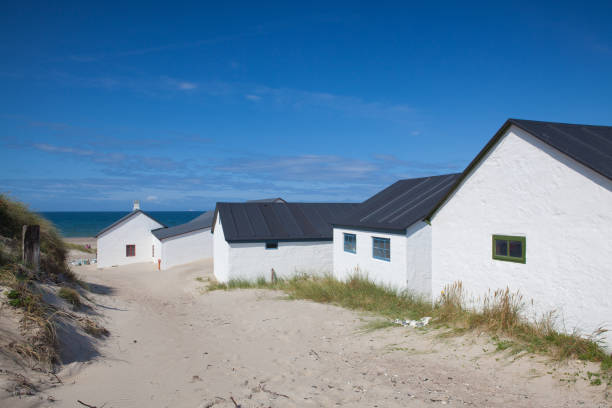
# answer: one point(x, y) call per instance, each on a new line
point(501, 313)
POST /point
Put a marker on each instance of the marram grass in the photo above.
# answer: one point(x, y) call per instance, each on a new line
point(500, 313)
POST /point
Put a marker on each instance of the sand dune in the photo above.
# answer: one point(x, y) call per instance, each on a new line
point(173, 346)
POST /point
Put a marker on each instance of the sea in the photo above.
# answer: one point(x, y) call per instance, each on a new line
point(89, 223)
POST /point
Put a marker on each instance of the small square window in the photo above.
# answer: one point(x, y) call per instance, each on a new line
point(350, 243)
point(509, 248)
point(272, 245)
point(381, 248)
point(130, 250)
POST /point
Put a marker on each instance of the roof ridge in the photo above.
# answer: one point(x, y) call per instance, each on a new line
point(557, 123)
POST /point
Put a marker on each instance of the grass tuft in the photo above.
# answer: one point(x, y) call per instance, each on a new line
point(70, 295)
point(94, 328)
point(377, 325)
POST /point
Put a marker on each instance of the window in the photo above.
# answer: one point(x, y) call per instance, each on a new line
point(272, 245)
point(381, 248)
point(509, 248)
point(350, 243)
point(130, 250)
point(153, 251)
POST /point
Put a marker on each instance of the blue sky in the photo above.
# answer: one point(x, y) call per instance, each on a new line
point(181, 105)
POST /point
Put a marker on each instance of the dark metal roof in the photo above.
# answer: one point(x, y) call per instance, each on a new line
point(587, 144)
point(200, 222)
point(125, 218)
point(400, 205)
point(268, 200)
point(244, 222)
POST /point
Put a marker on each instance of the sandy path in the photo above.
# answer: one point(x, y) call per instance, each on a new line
point(172, 346)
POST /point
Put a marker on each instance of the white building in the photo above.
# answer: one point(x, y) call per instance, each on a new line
point(128, 240)
point(138, 237)
point(184, 243)
point(387, 238)
point(533, 211)
point(250, 239)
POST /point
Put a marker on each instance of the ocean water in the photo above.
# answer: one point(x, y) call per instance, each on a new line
point(88, 224)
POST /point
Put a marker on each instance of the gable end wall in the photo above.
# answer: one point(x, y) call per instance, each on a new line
point(525, 187)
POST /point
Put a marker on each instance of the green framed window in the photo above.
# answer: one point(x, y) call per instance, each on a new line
point(509, 248)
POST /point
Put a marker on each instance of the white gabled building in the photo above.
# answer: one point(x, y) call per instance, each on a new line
point(184, 243)
point(533, 211)
point(250, 239)
point(128, 240)
point(138, 237)
point(386, 237)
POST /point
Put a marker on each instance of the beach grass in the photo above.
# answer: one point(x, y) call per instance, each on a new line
point(79, 247)
point(500, 313)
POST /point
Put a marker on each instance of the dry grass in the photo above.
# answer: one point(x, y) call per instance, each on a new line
point(40, 347)
point(499, 313)
point(13, 216)
point(70, 295)
point(79, 247)
point(37, 321)
point(93, 328)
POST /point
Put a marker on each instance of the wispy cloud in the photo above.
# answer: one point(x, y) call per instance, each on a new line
point(117, 163)
point(412, 167)
point(187, 86)
point(232, 92)
point(62, 149)
point(302, 167)
point(97, 56)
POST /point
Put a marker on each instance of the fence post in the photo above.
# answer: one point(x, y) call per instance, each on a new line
point(30, 246)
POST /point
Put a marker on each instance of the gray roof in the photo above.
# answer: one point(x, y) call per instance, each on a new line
point(200, 222)
point(243, 222)
point(587, 144)
point(125, 218)
point(400, 205)
point(268, 200)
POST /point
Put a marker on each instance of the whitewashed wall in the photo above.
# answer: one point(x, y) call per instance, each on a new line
point(527, 188)
point(220, 252)
point(186, 248)
point(134, 231)
point(409, 266)
point(251, 260)
point(158, 250)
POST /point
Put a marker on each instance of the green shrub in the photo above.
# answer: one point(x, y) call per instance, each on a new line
point(12, 294)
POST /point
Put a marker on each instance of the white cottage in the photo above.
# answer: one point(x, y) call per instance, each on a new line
point(128, 240)
point(138, 237)
point(250, 239)
point(184, 243)
point(533, 211)
point(387, 237)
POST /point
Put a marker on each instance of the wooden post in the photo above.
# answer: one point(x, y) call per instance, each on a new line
point(30, 246)
point(272, 275)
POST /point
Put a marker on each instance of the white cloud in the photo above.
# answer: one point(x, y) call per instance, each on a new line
point(152, 198)
point(186, 86)
point(252, 97)
point(60, 149)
